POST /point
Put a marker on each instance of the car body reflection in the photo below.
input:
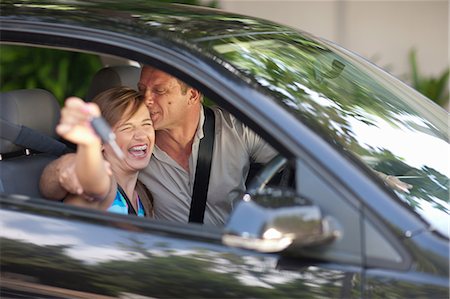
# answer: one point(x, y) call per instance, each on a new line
point(126, 260)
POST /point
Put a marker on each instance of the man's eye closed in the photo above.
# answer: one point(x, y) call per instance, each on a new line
point(160, 91)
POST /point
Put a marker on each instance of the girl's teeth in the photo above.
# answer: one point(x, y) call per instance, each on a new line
point(139, 148)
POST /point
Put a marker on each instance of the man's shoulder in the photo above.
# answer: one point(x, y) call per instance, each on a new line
point(225, 118)
point(231, 127)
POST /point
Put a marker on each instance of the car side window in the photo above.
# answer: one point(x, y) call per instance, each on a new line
point(345, 212)
point(337, 204)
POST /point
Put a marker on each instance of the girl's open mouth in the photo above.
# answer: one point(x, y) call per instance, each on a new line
point(138, 150)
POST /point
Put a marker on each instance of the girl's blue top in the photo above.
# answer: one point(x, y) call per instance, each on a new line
point(120, 206)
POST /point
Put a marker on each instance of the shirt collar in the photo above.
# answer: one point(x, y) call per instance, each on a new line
point(160, 154)
point(199, 134)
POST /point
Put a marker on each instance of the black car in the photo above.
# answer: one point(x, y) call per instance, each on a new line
point(318, 221)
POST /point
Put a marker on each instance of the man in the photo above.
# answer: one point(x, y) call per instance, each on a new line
point(178, 116)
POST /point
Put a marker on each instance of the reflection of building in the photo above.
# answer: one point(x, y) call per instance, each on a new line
point(382, 31)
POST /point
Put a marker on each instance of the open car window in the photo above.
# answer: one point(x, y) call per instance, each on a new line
point(66, 73)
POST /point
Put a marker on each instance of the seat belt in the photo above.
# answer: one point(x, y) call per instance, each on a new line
point(131, 210)
point(31, 139)
point(203, 170)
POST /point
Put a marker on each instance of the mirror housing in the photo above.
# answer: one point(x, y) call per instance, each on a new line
point(274, 220)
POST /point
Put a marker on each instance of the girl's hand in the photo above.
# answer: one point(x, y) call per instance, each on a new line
point(75, 125)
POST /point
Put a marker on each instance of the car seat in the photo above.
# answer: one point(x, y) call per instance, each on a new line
point(25, 153)
point(113, 76)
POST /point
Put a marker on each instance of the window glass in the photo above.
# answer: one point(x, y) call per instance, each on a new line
point(357, 108)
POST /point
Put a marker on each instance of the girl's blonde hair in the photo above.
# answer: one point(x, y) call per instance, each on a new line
point(114, 103)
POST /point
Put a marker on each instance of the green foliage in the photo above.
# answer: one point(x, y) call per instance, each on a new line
point(435, 88)
point(60, 72)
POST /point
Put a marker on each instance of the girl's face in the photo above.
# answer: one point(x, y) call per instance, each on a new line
point(136, 138)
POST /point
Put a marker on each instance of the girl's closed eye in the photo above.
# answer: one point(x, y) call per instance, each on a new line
point(125, 128)
point(147, 124)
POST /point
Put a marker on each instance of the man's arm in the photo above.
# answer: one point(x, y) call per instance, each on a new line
point(57, 172)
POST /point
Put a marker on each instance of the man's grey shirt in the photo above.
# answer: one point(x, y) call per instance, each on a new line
point(235, 145)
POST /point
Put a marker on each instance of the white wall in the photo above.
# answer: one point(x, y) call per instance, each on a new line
point(383, 31)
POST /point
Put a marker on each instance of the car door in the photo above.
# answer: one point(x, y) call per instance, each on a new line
point(55, 250)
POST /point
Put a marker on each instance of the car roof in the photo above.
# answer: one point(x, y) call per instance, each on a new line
point(139, 18)
point(177, 28)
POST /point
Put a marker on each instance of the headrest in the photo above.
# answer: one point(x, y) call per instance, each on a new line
point(113, 76)
point(36, 109)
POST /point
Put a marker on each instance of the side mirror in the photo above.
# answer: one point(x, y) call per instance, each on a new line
point(274, 220)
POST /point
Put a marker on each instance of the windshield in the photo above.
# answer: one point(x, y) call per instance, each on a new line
point(357, 107)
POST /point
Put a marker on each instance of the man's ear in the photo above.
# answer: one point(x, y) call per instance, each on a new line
point(194, 95)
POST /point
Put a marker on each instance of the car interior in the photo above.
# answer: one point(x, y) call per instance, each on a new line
point(26, 157)
point(110, 76)
point(19, 120)
point(28, 140)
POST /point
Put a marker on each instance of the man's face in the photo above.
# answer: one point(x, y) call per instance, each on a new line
point(164, 97)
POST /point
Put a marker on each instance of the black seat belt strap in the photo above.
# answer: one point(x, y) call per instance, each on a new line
point(131, 210)
point(203, 170)
point(31, 139)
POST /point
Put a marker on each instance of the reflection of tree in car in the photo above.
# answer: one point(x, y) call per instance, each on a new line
point(428, 184)
point(328, 104)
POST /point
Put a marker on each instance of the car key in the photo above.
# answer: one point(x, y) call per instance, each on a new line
point(106, 134)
